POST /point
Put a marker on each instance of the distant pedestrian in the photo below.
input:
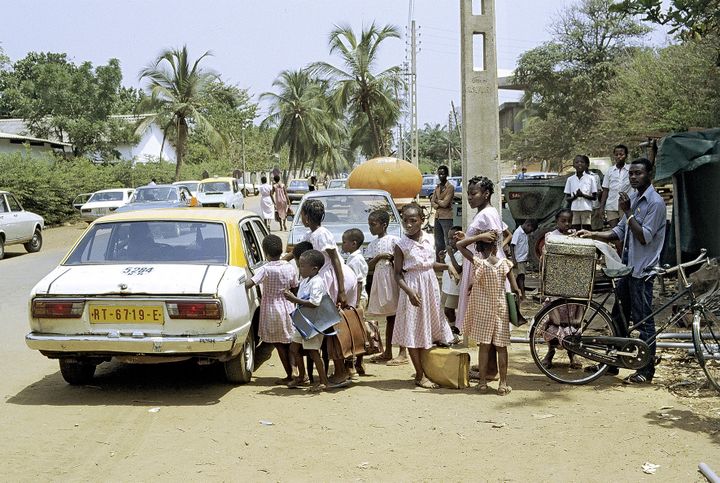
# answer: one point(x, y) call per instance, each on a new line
point(267, 202)
point(581, 189)
point(616, 181)
point(522, 174)
point(152, 182)
point(282, 203)
point(312, 185)
point(441, 201)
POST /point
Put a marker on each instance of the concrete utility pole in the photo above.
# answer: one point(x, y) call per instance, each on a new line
point(413, 96)
point(480, 122)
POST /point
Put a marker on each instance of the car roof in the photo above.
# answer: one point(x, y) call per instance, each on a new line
point(157, 186)
point(337, 179)
point(218, 178)
point(224, 215)
point(186, 181)
point(113, 189)
point(345, 191)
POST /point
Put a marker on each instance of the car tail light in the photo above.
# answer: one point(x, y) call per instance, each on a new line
point(57, 309)
point(194, 309)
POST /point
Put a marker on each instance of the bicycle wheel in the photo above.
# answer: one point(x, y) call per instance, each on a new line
point(706, 339)
point(569, 317)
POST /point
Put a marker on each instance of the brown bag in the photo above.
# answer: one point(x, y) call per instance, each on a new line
point(351, 338)
point(447, 367)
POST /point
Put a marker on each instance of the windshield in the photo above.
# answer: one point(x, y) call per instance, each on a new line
point(214, 186)
point(107, 196)
point(298, 184)
point(151, 241)
point(351, 209)
point(337, 183)
point(164, 193)
point(190, 186)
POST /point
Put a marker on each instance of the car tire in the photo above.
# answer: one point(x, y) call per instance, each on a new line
point(76, 372)
point(239, 369)
point(35, 243)
point(2, 248)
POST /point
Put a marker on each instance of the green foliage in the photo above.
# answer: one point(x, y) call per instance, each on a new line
point(61, 100)
point(567, 78)
point(690, 19)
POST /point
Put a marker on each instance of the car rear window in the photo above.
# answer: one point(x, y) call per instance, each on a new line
point(165, 193)
point(214, 186)
point(151, 242)
point(107, 196)
point(353, 209)
point(298, 184)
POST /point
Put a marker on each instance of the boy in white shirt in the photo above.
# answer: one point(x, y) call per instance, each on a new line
point(519, 251)
point(352, 241)
point(450, 280)
point(581, 190)
point(616, 181)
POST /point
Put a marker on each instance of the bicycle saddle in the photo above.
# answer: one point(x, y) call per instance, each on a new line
point(617, 272)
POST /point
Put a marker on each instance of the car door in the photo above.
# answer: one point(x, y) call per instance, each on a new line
point(251, 245)
point(5, 218)
point(20, 226)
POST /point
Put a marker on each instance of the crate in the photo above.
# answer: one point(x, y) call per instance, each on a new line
point(568, 268)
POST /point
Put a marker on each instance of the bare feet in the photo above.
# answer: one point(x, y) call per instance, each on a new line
point(547, 362)
point(380, 359)
point(504, 389)
point(398, 361)
point(297, 382)
point(481, 387)
point(335, 381)
point(317, 388)
point(426, 383)
point(575, 364)
point(284, 380)
point(360, 368)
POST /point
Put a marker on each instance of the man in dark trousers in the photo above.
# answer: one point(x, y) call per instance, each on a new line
point(441, 201)
point(642, 230)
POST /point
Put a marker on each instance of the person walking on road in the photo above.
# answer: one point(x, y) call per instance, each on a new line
point(267, 202)
point(441, 201)
point(642, 230)
point(281, 202)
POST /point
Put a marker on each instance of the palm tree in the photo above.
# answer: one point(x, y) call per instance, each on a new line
point(300, 113)
point(359, 89)
point(178, 90)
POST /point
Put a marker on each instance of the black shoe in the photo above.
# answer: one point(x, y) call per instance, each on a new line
point(612, 370)
point(638, 378)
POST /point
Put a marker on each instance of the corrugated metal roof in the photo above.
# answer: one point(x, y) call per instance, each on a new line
point(4, 135)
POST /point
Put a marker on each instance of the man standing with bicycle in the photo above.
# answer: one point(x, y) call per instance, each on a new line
point(642, 230)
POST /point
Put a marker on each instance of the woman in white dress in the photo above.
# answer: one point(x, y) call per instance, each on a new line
point(267, 201)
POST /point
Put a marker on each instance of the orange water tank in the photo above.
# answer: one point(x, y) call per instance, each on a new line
point(396, 176)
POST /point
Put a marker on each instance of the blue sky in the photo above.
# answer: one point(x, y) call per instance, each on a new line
point(252, 41)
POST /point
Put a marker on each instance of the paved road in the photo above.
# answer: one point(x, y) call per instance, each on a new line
point(180, 421)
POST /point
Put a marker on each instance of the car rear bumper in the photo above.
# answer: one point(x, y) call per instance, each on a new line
point(201, 345)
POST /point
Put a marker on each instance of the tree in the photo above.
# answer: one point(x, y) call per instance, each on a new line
point(68, 102)
point(178, 91)
point(299, 112)
point(567, 78)
point(687, 18)
point(360, 90)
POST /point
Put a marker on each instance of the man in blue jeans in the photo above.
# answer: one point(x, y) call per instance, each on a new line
point(441, 201)
point(642, 230)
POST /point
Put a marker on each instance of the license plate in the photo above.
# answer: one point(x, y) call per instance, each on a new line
point(126, 314)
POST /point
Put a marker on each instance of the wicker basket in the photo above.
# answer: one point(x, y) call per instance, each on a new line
point(568, 268)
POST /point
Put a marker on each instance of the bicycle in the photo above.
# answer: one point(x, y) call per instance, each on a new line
point(590, 335)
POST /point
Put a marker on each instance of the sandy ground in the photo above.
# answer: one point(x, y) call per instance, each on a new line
point(173, 421)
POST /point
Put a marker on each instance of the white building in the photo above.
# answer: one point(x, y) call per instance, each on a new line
point(15, 136)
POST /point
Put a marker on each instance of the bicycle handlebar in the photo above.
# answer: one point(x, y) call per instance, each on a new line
point(667, 270)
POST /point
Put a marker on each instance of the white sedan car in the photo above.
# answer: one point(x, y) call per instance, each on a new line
point(18, 226)
point(104, 202)
point(153, 286)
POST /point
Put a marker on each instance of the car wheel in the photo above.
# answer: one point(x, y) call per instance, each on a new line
point(239, 369)
point(35, 244)
point(2, 248)
point(77, 372)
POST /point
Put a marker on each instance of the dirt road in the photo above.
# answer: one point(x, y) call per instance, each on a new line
point(180, 421)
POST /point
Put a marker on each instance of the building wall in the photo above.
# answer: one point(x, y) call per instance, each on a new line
point(7, 147)
point(148, 149)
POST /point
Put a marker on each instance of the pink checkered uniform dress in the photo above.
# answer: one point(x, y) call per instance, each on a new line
point(487, 320)
point(322, 240)
point(420, 327)
point(275, 323)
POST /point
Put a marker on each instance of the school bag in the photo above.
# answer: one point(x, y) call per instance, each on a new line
point(447, 367)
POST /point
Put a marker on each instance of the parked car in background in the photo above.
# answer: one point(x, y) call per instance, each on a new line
point(428, 185)
point(190, 185)
point(458, 182)
point(80, 200)
point(248, 188)
point(104, 202)
point(18, 226)
point(128, 291)
point(159, 196)
point(334, 184)
point(345, 209)
point(221, 192)
point(297, 188)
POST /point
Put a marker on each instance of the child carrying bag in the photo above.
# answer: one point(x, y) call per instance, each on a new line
point(513, 312)
point(447, 367)
point(318, 320)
